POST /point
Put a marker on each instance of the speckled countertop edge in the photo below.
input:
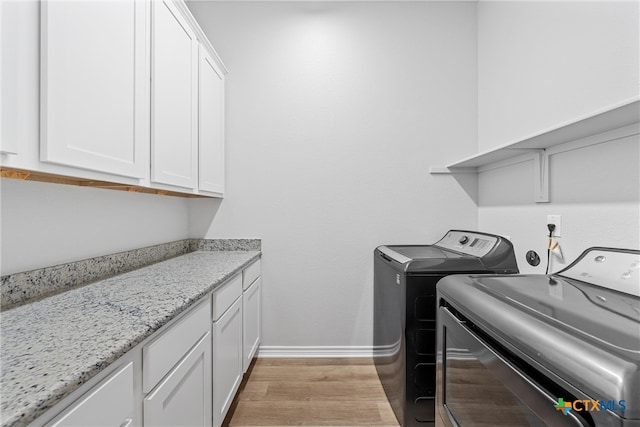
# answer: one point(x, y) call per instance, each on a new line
point(28, 286)
point(52, 346)
point(25, 287)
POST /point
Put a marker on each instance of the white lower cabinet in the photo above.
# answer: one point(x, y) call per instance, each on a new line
point(251, 312)
point(236, 318)
point(185, 374)
point(183, 398)
point(177, 372)
point(110, 403)
point(165, 351)
point(227, 359)
point(251, 325)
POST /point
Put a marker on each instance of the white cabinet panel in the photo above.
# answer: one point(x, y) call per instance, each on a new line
point(174, 100)
point(110, 404)
point(19, 74)
point(164, 352)
point(184, 397)
point(6, 145)
point(251, 322)
point(225, 296)
point(227, 360)
point(94, 75)
point(250, 274)
point(211, 125)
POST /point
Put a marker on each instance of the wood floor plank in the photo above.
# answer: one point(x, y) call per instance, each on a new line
point(325, 413)
point(254, 390)
point(387, 417)
point(315, 361)
point(311, 392)
point(365, 390)
point(313, 373)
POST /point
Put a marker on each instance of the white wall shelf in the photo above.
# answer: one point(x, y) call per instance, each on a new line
point(617, 116)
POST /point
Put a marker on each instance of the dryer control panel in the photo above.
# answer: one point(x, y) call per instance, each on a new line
point(468, 242)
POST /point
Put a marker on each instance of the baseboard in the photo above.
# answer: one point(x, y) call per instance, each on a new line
point(276, 351)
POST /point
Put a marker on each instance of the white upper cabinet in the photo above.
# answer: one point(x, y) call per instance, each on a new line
point(94, 85)
point(211, 125)
point(12, 57)
point(125, 94)
point(174, 98)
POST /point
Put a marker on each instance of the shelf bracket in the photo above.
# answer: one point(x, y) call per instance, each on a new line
point(541, 176)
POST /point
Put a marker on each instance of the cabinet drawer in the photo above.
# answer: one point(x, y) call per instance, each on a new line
point(250, 274)
point(226, 295)
point(183, 398)
point(161, 355)
point(110, 403)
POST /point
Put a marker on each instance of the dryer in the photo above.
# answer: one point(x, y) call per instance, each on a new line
point(543, 350)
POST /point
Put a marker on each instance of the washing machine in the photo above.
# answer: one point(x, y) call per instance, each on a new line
point(405, 278)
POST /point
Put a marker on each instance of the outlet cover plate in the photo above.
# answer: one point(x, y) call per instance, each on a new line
point(557, 220)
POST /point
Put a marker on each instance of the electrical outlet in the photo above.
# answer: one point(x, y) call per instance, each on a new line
point(557, 221)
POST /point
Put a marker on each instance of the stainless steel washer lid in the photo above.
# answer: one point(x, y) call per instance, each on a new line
point(587, 335)
point(408, 253)
point(458, 251)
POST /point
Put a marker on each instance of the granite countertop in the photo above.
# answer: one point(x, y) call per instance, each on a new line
point(52, 346)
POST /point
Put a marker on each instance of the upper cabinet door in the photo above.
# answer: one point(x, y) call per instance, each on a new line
point(174, 102)
point(95, 85)
point(211, 125)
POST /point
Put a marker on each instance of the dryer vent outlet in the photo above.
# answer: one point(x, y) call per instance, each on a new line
point(533, 258)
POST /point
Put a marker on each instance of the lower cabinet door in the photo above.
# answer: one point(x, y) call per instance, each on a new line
point(111, 403)
point(227, 360)
point(251, 312)
point(183, 398)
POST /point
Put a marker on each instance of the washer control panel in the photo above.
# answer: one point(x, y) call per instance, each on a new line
point(468, 242)
point(614, 269)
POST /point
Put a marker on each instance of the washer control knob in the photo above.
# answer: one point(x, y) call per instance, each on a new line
point(463, 239)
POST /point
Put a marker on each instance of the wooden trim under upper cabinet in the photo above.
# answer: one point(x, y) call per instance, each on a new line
point(82, 182)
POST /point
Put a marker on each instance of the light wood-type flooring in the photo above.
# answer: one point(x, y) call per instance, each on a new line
point(311, 392)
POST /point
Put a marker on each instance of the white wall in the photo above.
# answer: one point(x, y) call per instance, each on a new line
point(44, 224)
point(541, 64)
point(596, 189)
point(544, 63)
point(335, 112)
